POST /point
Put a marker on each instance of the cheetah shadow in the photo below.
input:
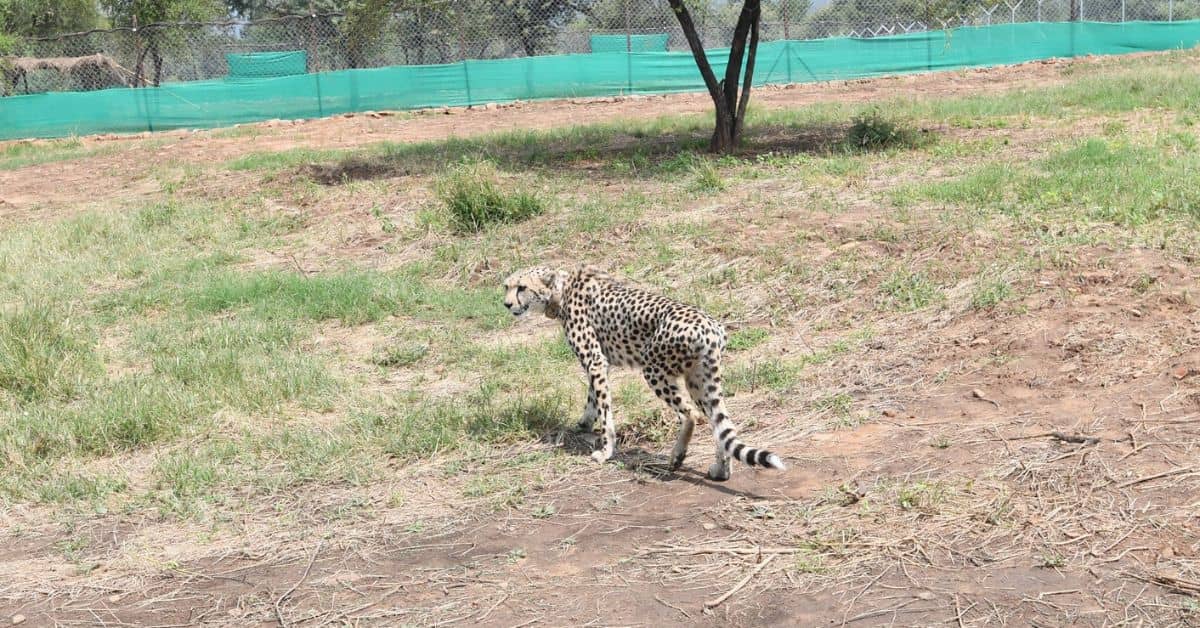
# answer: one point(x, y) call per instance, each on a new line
point(645, 464)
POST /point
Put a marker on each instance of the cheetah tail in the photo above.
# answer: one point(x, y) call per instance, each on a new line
point(751, 456)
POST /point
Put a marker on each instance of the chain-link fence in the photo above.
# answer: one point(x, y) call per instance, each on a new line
point(482, 29)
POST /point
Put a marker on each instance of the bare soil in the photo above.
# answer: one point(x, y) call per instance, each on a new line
point(1028, 466)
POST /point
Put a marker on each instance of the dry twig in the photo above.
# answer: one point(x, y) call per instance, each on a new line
point(738, 587)
point(278, 602)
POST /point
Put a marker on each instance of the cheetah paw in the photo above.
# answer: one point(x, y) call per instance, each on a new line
point(718, 472)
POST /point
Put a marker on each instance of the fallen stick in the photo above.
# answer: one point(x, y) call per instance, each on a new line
point(1066, 438)
point(278, 611)
point(693, 551)
point(1178, 585)
point(1156, 476)
point(738, 587)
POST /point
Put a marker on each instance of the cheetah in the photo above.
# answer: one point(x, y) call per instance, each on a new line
point(676, 346)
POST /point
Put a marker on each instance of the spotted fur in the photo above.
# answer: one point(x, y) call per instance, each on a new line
point(677, 347)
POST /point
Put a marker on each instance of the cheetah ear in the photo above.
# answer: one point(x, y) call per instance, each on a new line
point(555, 280)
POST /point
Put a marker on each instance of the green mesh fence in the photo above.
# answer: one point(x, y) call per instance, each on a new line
point(629, 43)
point(214, 103)
point(257, 65)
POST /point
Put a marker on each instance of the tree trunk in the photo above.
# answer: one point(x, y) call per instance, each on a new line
point(729, 104)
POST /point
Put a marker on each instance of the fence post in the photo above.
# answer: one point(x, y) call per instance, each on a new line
point(787, 39)
point(1170, 10)
point(1122, 11)
point(628, 49)
point(137, 46)
point(312, 38)
point(462, 55)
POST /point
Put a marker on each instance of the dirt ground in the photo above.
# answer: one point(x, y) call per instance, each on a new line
point(1067, 425)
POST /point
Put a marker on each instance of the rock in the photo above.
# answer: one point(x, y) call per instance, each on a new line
point(18, 619)
point(708, 525)
point(980, 341)
point(1182, 371)
point(491, 106)
point(891, 414)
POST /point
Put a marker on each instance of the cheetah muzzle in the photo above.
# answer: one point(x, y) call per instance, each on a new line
point(677, 347)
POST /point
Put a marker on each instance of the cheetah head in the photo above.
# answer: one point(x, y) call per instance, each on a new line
point(534, 290)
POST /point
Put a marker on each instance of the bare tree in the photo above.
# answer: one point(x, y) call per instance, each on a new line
point(730, 103)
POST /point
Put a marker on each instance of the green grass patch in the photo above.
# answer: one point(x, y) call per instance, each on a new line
point(483, 416)
point(350, 297)
point(22, 154)
point(1097, 179)
point(909, 291)
point(70, 487)
point(472, 196)
point(770, 374)
point(44, 354)
point(747, 338)
point(990, 292)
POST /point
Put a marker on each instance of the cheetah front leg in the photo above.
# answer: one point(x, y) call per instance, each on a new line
point(598, 376)
point(589, 411)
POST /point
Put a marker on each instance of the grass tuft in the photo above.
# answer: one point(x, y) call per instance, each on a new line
point(909, 291)
point(474, 199)
point(871, 130)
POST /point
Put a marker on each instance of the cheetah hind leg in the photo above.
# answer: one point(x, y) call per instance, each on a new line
point(697, 383)
point(679, 451)
point(670, 390)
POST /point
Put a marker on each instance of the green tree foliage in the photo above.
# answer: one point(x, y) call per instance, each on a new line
point(39, 18)
point(362, 28)
point(129, 12)
point(153, 42)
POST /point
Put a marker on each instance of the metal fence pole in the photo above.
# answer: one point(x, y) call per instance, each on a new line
point(462, 55)
point(1171, 10)
point(787, 38)
point(628, 49)
point(312, 38)
point(139, 47)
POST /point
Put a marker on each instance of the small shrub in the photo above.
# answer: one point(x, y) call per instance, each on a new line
point(474, 200)
point(872, 131)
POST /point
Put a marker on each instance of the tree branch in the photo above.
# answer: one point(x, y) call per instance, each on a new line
point(748, 80)
point(689, 31)
point(737, 50)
